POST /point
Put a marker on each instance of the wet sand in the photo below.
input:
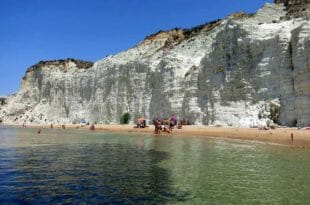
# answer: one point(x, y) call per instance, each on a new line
point(301, 138)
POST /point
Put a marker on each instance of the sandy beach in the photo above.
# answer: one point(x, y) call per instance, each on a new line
point(301, 138)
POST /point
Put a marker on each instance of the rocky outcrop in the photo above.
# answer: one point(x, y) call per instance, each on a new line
point(244, 70)
point(2, 100)
point(2, 103)
point(63, 64)
point(296, 8)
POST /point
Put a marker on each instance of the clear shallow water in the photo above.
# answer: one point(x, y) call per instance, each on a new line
point(71, 166)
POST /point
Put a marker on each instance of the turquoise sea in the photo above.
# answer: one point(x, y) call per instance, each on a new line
point(84, 167)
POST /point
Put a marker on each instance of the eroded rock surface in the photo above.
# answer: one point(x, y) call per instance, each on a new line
point(295, 8)
point(244, 70)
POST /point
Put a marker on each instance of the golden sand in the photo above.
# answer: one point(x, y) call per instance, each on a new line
point(301, 138)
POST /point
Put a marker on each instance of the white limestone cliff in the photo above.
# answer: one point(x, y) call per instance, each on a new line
point(242, 71)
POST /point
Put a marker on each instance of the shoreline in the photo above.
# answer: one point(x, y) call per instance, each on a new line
point(301, 138)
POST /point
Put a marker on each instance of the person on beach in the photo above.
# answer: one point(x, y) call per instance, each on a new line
point(292, 137)
point(144, 123)
point(141, 123)
point(92, 127)
point(63, 126)
point(171, 124)
point(157, 125)
point(175, 120)
point(180, 125)
point(52, 126)
point(168, 130)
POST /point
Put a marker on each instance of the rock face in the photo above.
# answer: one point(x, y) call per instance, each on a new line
point(295, 8)
point(244, 70)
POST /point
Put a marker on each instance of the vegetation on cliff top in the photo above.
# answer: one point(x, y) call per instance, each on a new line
point(179, 34)
point(295, 8)
point(79, 63)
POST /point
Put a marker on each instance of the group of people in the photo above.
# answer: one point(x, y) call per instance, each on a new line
point(161, 125)
point(92, 127)
point(141, 123)
point(166, 125)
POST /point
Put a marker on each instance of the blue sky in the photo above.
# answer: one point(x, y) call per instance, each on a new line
point(34, 30)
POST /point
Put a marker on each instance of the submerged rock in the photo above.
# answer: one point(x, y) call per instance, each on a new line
point(244, 70)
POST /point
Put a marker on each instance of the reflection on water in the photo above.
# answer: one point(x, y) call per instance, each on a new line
point(66, 166)
point(88, 172)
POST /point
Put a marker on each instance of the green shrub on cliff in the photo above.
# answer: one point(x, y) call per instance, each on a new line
point(125, 118)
